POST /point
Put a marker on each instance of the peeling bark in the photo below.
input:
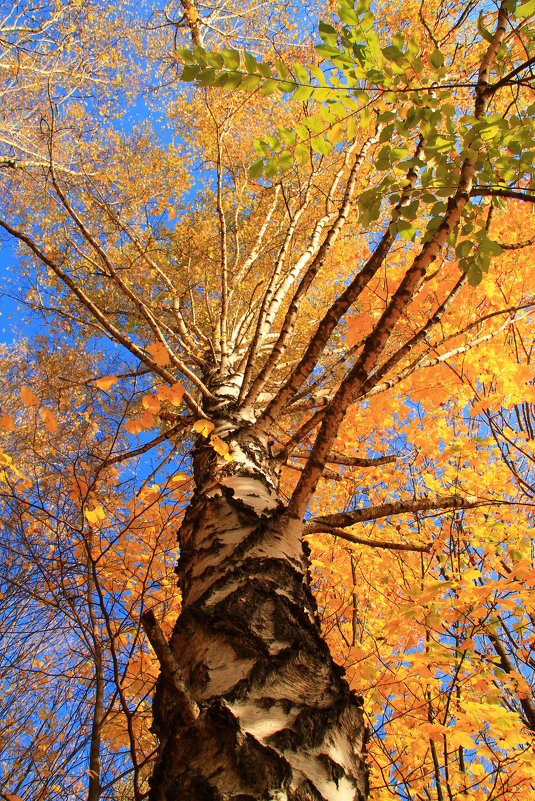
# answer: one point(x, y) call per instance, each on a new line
point(277, 719)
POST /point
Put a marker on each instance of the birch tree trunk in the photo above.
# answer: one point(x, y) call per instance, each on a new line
point(275, 717)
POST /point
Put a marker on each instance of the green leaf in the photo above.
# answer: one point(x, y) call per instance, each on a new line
point(436, 59)
point(261, 147)
point(301, 73)
point(301, 154)
point(392, 53)
point(526, 9)
point(411, 210)
point(274, 143)
point(214, 59)
point(369, 205)
point(348, 16)
point(229, 80)
point(256, 169)
point(314, 124)
point(287, 136)
point(490, 247)
point(375, 76)
point(272, 167)
point(325, 28)
point(265, 69)
point(475, 275)
point(405, 229)
point(185, 55)
point(251, 82)
point(286, 86)
point(352, 128)
point(250, 63)
point(206, 76)
point(398, 153)
point(485, 33)
point(320, 145)
point(303, 93)
point(318, 74)
point(282, 69)
point(231, 59)
point(269, 87)
point(322, 93)
point(285, 161)
point(463, 249)
point(190, 72)
point(200, 55)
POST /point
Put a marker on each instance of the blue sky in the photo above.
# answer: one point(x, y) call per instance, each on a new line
point(14, 322)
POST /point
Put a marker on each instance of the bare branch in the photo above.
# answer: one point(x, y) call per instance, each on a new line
point(442, 502)
point(187, 705)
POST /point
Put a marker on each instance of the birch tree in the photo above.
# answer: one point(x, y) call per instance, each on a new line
point(262, 303)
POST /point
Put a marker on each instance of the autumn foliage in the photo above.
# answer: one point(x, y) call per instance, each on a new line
point(194, 192)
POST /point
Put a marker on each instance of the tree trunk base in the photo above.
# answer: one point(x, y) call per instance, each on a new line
point(277, 720)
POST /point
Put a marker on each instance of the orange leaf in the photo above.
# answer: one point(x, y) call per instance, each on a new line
point(106, 382)
point(159, 353)
point(358, 325)
point(78, 489)
point(172, 394)
point(146, 419)
point(49, 420)
point(151, 403)
point(28, 397)
point(133, 426)
point(7, 423)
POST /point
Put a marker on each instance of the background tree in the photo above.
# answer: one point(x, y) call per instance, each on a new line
point(300, 334)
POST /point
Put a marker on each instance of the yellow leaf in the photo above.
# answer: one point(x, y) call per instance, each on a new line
point(471, 573)
point(151, 403)
point(171, 213)
point(203, 427)
point(106, 382)
point(172, 394)
point(159, 353)
point(49, 420)
point(7, 423)
point(94, 515)
point(28, 397)
point(220, 446)
point(457, 737)
point(178, 478)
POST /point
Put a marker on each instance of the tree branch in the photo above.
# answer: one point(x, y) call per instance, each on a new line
point(187, 705)
point(441, 502)
point(345, 535)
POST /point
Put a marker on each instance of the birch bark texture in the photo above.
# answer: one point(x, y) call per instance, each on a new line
point(276, 717)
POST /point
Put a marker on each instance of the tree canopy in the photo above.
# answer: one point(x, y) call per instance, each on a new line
point(281, 258)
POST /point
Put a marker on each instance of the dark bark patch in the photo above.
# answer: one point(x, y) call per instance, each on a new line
point(307, 792)
point(333, 770)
